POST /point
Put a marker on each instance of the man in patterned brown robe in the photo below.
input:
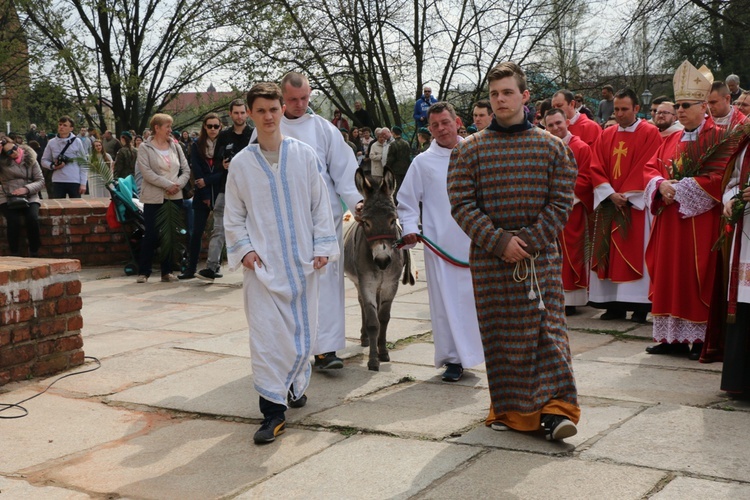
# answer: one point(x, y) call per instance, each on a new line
point(511, 190)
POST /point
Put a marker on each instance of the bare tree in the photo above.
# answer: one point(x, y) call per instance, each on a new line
point(137, 54)
point(386, 50)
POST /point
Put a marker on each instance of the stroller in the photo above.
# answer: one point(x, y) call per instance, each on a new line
point(126, 215)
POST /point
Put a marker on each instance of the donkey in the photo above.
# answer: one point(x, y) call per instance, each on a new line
point(372, 262)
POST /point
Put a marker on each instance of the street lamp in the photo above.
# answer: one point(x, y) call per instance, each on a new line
point(646, 100)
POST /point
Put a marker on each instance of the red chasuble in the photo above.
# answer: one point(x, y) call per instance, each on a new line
point(586, 129)
point(679, 257)
point(618, 160)
point(575, 270)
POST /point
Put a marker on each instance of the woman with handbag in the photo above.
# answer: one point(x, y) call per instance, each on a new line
point(165, 172)
point(21, 180)
point(208, 176)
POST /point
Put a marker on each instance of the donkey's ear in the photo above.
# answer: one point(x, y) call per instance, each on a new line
point(362, 182)
point(389, 181)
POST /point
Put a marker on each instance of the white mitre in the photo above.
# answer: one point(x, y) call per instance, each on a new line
point(692, 84)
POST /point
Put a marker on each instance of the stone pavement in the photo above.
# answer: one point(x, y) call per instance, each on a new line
point(171, 414)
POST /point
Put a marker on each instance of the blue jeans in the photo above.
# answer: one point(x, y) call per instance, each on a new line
point(201, 211)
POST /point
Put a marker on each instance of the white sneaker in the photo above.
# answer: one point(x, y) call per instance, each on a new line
point(169, 278)
point(499, 426)
point(142, 279)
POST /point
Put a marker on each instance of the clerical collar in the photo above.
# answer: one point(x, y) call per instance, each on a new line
point(567, 138)
point(518, 127)
point(692, 135)
point(725, 120)
point(629, 128)
point(575, 117)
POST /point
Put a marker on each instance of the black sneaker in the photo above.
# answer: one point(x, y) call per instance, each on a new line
point(186, 276)
point(557, 427)
point(298, 403)
point(269, 429)
point(453, 372)
point(206, 275)
point(328, 361)
point(218, 275)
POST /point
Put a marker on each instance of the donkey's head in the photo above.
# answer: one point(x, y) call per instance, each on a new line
point(379, 216)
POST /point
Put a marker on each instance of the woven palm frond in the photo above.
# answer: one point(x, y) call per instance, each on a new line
point(605, 217)
point(171, 227)
point(97, 166)
point(709, 154)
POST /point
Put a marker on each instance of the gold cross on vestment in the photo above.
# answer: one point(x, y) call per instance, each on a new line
point(697, 81)
point(619, 151)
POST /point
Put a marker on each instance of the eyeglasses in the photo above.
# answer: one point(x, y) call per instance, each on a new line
point(8, 152)
point(663, 113)
point(686, 105)
point(214, 126)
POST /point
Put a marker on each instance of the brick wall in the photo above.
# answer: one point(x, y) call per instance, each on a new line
point(40, 317)
point(76, 229)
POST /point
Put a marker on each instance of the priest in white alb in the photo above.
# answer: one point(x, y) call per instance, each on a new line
point(455, 329)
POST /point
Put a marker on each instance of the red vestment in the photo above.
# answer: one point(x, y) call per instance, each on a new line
point(679, 257)
point(618, 160)
point(575, 269)
point(586, 129)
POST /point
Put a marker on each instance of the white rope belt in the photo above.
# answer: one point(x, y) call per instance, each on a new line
point(525, 268)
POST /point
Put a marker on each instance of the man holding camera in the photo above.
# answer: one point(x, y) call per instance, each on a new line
point(230, 142)
point(61, 156)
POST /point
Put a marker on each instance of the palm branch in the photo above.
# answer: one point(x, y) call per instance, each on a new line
point(709, 154)
point(97, 166)
point(604, 217)
point(171, 227)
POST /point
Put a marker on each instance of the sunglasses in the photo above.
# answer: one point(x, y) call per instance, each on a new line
point(214, 126)
point(686, 105)
point(8, 152)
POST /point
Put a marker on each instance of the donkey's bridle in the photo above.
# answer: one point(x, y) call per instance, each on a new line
point(391, 237)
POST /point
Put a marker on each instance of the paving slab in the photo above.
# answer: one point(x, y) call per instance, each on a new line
point(194, 459)
point(507, 474)
point(58, 426)
point(222, 387)
point(411, 296)
point(161, 315)
point(733, 404)
point(120, 341)
point(18, 488)
point(644, 332)
point(682, 488)
point(646, 384)
point(117, 374)
point(413, 409)
point(111, 309)
point(581, 342)
point(366, 467)
point(634, 352)
point(218, 322)
point(398, 329)
point(588, 319)
point(596, 420)
point(230, 344)
point(416, 353)
point(680, 438)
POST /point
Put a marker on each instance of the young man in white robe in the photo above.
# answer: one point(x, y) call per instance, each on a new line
point(279, 227)
point(455, 328)
point(339, 166)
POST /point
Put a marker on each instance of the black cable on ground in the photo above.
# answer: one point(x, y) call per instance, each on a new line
point(17, 406)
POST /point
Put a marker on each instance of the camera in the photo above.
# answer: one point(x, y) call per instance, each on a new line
point(62, 159)
point(229, 152)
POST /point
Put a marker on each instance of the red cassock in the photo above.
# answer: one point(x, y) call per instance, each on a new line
point(619, 159)
point(679, 257)
point(586, 129)
point(575, 269)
